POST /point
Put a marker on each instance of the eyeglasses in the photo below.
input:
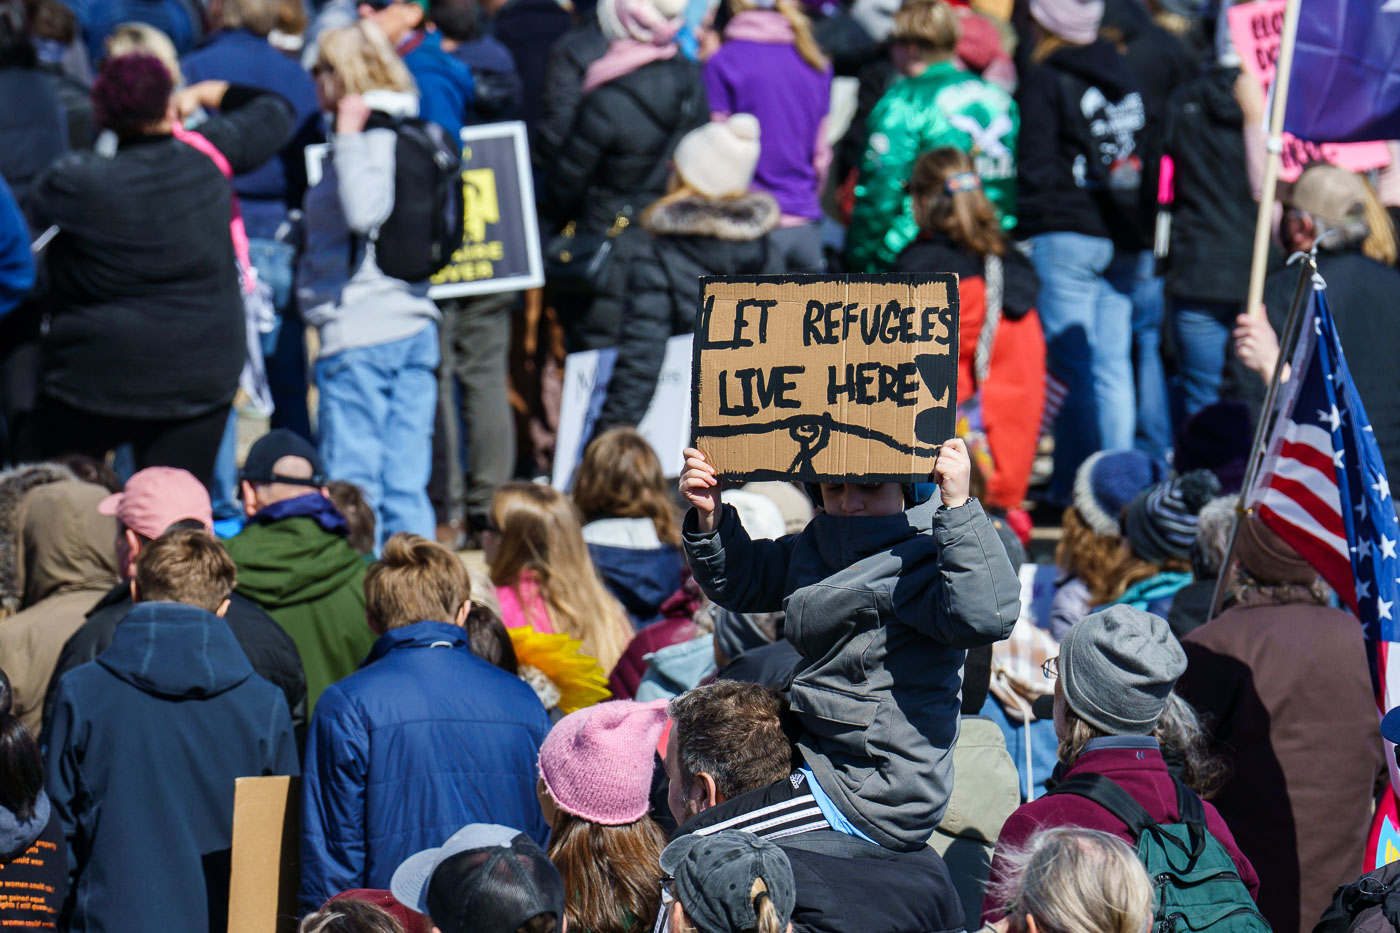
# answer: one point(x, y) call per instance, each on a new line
point(1051, 668)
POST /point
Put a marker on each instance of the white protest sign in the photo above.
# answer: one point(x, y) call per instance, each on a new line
point(666, 424)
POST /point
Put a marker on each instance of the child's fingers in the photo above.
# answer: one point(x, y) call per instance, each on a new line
point(699, 465)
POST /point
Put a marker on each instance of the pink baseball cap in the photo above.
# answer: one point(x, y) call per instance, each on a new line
point(156, 498)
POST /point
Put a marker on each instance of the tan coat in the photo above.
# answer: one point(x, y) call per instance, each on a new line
point(69, 563)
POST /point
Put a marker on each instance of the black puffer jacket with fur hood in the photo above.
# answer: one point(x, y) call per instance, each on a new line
point(689, 237)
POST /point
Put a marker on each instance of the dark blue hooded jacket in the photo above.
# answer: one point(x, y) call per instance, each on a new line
point(445, 84)
point(143, 751)
point(425, 738)
point(635, 565)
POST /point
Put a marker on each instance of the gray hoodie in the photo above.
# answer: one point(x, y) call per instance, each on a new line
point(883, 610)
point(354, 196)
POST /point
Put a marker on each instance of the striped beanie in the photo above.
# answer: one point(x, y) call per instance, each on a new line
point(1161, 523)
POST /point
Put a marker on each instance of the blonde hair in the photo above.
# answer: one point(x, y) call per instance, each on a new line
point(620, 477)
point(803, 39)
point(540, 532)
point(259, 17)
point(966, 216)
point(929, 24)
point(138, 37)
point(1380, 241)
point(1078, 881)
point(416, 580)
point(365, 59)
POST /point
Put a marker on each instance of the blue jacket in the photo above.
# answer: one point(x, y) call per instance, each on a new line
point(445, 85)
point(635, 565)
point(425, 738)
point(143, 751)
point(16, 262)
point(266, 192)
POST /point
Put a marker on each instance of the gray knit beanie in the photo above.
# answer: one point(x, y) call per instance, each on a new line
point(1117, 666)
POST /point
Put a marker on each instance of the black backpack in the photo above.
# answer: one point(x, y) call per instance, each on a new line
point(1370, 904)
point(425, 226)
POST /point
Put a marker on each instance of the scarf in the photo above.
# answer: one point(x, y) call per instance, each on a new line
point(624, 56)
point(766, 26)
point(313, 505)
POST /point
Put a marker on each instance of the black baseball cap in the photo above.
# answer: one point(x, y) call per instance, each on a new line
point(713, 878)
point(273, 446)
point(484, 879)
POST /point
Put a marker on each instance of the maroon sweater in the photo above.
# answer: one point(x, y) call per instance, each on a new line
point(1140, 772)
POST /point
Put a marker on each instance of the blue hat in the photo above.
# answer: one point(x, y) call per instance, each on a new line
point(1107, 482)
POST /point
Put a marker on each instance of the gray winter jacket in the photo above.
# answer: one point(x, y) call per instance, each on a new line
point(882, 609)
point(339, 285)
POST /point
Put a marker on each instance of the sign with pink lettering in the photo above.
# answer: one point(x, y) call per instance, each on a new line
point(1257, 29)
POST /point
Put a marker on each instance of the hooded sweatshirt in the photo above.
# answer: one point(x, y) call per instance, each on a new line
point(33, 868)
point(69, 563)
point(143, 752)
point(311, 581)
point(1057, 189)
point(635, 565)
point(341, 290)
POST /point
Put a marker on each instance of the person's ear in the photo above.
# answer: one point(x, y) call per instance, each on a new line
point(711, 792)
point(366, 11)
point(250, 498)
point(223, 608)
point(326, 491)
point(462, 613)
point(1030, 924)
point(677, 916)
point(133, 549)
point(414, 14)
point(135, 591)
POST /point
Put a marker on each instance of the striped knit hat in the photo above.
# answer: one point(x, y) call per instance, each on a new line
point(1161, 523)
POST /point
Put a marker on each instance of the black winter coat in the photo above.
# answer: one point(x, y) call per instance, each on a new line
point(617, 155)
point(33, 128)
point(528, 28)
point(146, 303)
point(270, 650)
point(688, 238)
point(1052, 142)
point(1214, 211)
point(569, 58)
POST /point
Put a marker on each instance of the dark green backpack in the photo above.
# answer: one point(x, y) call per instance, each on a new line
point(1196, 885)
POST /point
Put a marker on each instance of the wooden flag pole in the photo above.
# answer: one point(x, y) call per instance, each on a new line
point(1263, 223)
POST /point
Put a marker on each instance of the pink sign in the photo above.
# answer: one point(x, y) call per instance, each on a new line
point(1257, 29)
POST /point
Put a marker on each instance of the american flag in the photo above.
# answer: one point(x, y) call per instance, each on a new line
point(1322, 485)
point(1322, 488)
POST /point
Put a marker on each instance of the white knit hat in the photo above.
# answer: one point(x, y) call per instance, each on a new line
point(719, 158)
point(655, 22)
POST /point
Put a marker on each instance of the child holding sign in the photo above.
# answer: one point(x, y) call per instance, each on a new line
point(883, 595)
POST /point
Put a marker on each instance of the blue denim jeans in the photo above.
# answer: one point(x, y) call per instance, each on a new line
point(1154, 423)
point(1086, 308)
point(376, 424)
point(1202, 331)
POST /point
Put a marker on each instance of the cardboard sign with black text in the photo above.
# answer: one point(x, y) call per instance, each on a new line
point(825, 378)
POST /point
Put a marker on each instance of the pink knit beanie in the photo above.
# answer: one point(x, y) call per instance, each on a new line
point(1075, 21)
point(597, 763)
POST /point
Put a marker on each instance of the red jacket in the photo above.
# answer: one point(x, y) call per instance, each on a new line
point(1140, 772)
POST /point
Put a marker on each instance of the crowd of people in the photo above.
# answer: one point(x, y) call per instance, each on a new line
point(654, 702)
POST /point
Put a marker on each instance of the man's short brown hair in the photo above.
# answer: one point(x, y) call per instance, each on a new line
point(416, 580)
point(733, 732)
point(930, 24)
point(185, 565)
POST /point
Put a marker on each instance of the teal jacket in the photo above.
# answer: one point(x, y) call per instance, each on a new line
point(944, 106)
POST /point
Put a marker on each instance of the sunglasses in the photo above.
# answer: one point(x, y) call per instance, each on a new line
point(1051, 668)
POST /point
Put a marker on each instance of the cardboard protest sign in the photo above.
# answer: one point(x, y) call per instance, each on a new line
point(266, 855)
point(501, 244)
point(1257, 31)
point(822, 378)
point(665, 426)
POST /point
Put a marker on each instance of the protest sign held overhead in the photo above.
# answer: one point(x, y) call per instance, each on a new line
point(825, 378)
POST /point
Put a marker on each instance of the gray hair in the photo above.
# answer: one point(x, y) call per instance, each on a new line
point(1084, 880)
point(1217, 520)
